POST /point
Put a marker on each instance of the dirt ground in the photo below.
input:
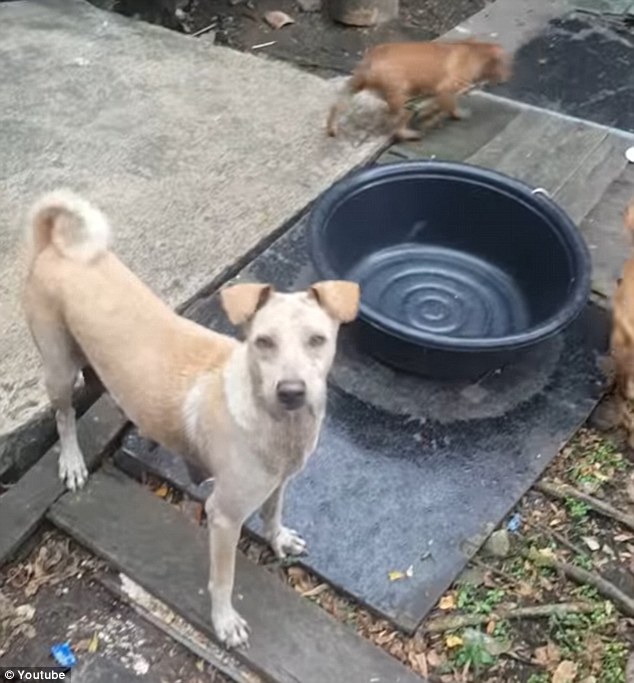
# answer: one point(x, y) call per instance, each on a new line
point(313, 41)
point(54, 596)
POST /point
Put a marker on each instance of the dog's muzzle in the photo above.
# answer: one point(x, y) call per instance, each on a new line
point(291, 394)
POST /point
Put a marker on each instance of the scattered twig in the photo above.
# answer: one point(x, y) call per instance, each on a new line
point(200, 32)
point(509, 578)
point(587, 578)
point(261, 45)
point(563, 491)
point(317, 590)
point(457, 621)
point(577, 550)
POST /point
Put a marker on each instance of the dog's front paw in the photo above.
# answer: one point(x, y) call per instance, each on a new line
point(72, 470)
point(287, 542)
point(460, 114)
point(407, 135)
point(232, 630)
point(80, 381)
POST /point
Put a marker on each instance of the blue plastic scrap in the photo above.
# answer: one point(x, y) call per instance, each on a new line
point(514, 524)
point(63, 655)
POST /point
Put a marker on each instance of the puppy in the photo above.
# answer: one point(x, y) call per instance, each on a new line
point(249, 413)
point(399, 72)
point(622, 338)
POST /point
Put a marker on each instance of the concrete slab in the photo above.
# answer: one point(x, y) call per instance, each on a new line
point(196, 152)
point(509, 22)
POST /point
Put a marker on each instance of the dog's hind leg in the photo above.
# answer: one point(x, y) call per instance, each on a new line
point(283, 541)
point(63, 362)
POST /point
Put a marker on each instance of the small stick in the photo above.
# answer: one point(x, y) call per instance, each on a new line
point(587, 578)
point(442, 624)
point(562, 539)
point(563, 491)
point(261, 45)
point(498, 572)
point(205, 30)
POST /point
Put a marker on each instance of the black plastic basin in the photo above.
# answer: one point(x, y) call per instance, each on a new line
point(461, 268)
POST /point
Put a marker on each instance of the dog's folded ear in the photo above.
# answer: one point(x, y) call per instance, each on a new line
point(241, 302)
point(339, 298)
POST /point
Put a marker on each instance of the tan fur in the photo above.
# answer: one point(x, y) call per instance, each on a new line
point(399, 72)
point(241, 302)
point(622, 339)
point(249, 413)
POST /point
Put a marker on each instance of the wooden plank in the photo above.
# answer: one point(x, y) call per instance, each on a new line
point(604, 233)
point(584, 188)
point(293, 640)
point(24, 505)
point(540, 149)
point(163, 618)
point(99, 669)
point(457, 140)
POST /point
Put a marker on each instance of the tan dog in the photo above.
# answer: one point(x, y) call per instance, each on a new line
point(250, 413)
point(622, 339)
point(400, 72)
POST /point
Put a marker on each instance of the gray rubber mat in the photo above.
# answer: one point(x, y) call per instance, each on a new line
point(414, 474)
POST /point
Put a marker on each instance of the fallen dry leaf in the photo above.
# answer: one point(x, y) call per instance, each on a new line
point(452, 641)
point(296, 573)
point(277, 19)
point(418, 662)
point(592, 543)
point(93, 645)
point(397, 575)
point(548, 655)
point(447, 603)
point(317, 590)
point(162, 491)
point(14, 622)
point(433, 659)
point(566, 672)
point(525, 590)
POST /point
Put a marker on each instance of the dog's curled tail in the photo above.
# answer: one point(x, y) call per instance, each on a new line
point(74, 227)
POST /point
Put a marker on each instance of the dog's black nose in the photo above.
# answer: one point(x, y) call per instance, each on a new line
point(291, 393)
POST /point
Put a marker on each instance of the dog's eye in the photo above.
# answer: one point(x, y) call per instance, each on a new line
point(316, 340)
point(264, 343)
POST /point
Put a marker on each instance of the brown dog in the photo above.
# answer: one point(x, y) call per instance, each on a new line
point(399, 72)
point(249, 413)
point(622, 341)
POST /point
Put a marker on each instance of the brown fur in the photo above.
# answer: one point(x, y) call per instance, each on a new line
point(399, 72)
point(248, 412)
point(622, 340)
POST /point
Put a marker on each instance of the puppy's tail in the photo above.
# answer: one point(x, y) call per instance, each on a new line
point(73, 226)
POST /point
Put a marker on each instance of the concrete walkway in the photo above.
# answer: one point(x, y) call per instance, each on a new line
point(197, 153)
